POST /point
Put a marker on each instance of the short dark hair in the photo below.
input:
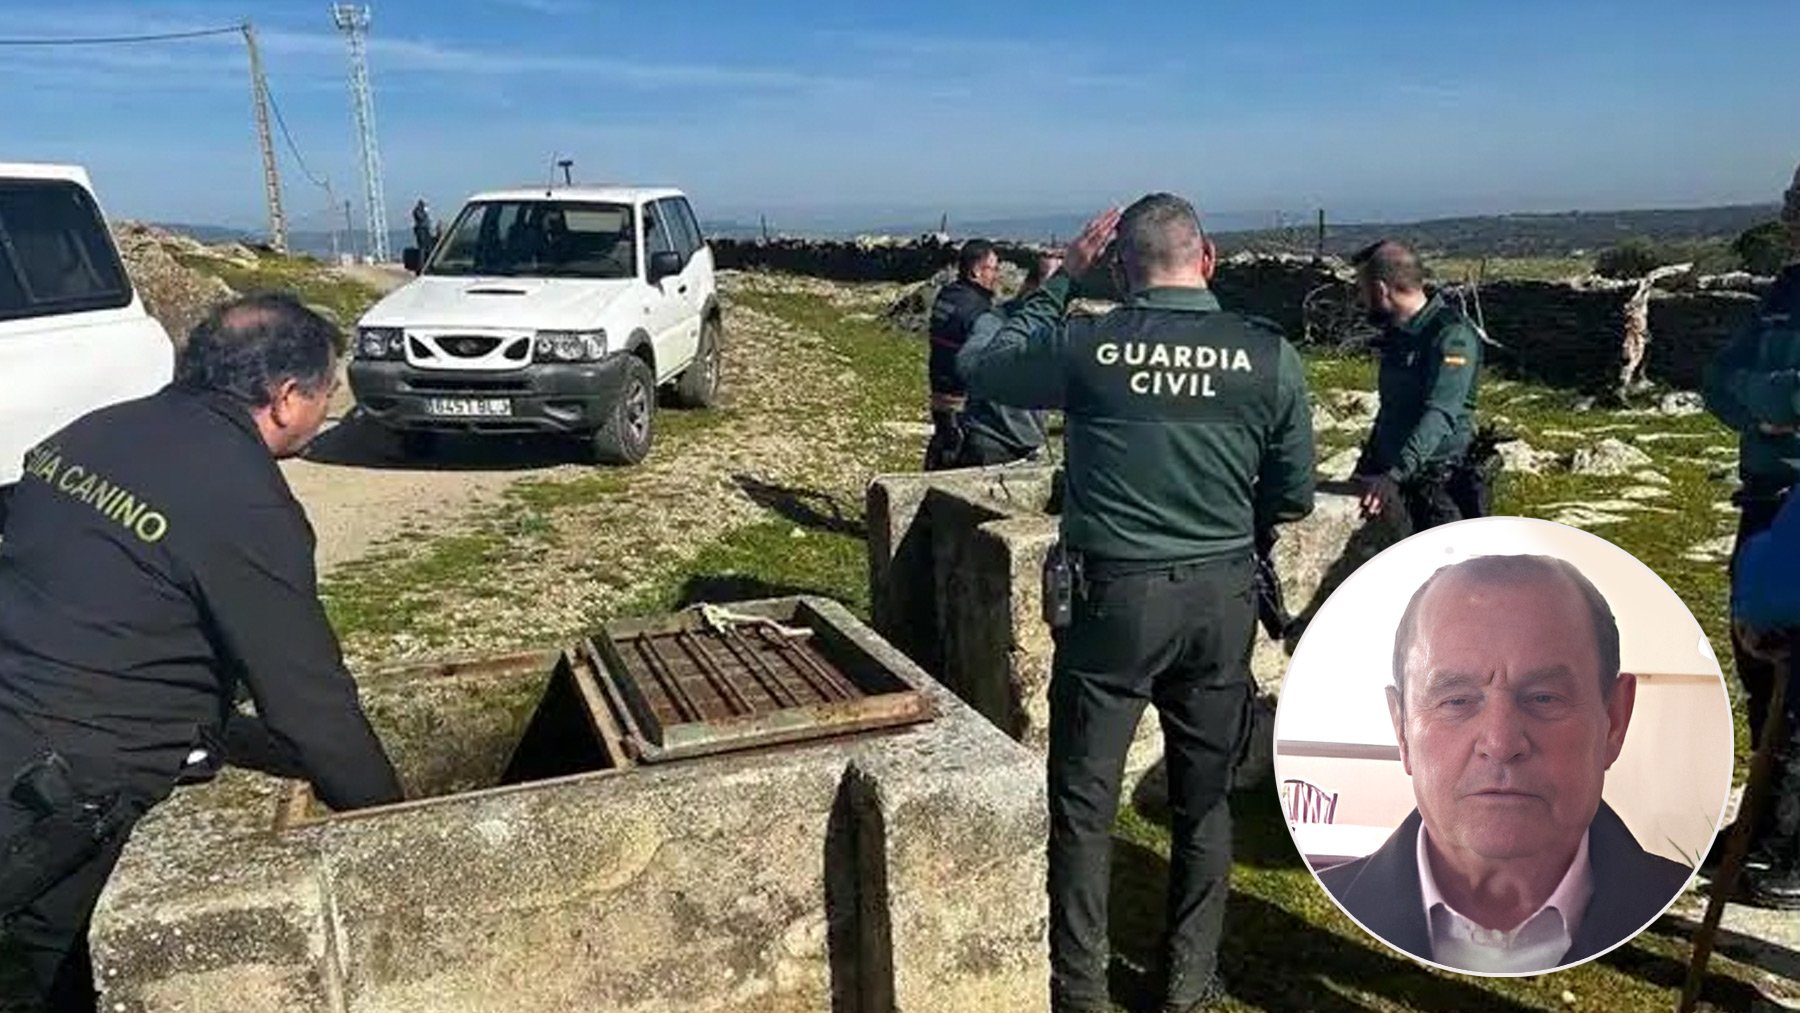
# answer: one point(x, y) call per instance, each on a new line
point(1392, 262)
point(1517, 569)
point(1159, 231)
point(971, 255)
point(247, 347)
point(1035, 274)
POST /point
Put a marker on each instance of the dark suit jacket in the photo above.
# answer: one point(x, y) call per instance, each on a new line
point(1631, 887)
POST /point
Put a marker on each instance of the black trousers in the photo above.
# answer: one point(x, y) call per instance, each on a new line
point(1179, 636)
point(979, 452)
point(51, 932)
point(1445, 494)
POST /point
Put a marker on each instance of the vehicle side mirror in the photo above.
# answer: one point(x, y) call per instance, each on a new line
point(663, 264)
point(410, 257)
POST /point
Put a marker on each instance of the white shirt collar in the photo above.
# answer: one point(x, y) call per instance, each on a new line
point(1536, 944)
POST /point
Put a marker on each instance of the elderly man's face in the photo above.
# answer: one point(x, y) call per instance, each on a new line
point(1505, 730)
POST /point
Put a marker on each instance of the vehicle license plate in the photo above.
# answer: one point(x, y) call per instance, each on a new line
point(467, 406)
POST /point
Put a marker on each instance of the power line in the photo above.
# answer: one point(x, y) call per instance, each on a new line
point(108, 40)
point(293, 149)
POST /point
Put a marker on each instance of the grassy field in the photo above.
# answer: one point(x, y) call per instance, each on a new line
point(851, 383)
point(1460, 269)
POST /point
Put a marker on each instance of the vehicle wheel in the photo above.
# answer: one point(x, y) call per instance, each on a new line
point(418, 443)
point(625, 436)
point(698, 385)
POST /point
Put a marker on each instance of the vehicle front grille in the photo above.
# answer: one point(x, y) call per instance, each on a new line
point(468, 346)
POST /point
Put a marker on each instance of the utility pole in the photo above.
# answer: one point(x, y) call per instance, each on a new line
point(331, 222)
point(353, 21)
point(259, 97)
point(349, 231)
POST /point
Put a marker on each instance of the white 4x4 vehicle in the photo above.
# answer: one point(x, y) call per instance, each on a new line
point(557, 310)
point(73, 334)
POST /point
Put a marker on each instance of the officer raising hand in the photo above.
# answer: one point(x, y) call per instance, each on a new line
point(1187, 431)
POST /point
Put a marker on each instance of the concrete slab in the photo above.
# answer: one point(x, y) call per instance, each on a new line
point(905, 864)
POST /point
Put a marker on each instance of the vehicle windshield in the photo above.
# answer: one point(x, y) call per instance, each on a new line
point(539, 238)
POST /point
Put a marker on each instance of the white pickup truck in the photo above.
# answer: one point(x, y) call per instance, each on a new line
point(557, 311)
point(74, 336)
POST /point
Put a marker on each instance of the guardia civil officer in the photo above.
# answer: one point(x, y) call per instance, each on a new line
point(154, 560)
point(957, 306)
point(1187, 430)
point(1418, 454)
point(1753, 386)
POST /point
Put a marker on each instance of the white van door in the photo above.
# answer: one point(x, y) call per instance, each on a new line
point(73, 335)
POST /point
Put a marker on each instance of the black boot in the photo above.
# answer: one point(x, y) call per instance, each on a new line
point(1778, 886)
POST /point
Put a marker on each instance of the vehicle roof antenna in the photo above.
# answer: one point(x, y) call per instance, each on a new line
point(555, 160)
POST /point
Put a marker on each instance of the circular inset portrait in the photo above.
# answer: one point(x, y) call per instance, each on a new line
point(1503, 746)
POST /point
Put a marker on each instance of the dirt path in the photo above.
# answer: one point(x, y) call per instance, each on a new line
point(789, 422)
point(359, 493)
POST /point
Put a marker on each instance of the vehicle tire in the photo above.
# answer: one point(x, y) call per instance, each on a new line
point(698, 385)
point(417, 444)
point(625, 436)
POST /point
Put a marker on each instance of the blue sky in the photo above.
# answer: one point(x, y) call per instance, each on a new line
point(821, 113)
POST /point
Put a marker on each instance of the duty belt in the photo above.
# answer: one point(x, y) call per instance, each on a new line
point(941, 402)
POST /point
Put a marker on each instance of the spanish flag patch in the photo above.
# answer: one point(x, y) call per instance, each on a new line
point(1455, 360)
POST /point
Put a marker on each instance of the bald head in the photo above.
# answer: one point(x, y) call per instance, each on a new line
point(1161, 243)
point(1549, 573)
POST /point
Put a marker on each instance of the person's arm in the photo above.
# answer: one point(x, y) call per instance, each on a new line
point(1746, 397)
point(1449, 373)
point(1284, 481)
point(260, 595)
point(1018, 359)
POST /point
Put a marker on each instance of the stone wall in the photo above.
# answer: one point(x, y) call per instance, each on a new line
point(1563, 333)
point(910, 876)
point(955, 565)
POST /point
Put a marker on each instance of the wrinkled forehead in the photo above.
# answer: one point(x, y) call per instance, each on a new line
point(1473, 624)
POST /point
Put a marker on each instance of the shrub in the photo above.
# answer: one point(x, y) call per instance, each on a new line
point(1764, 248)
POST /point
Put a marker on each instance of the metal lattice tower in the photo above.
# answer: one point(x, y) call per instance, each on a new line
point(259, 99)
point(353, 21)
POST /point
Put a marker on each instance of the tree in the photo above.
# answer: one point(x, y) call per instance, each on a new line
point(1764, 248)
point(1632, 258)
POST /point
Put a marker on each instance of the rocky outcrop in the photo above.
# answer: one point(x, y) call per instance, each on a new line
point(176, 295)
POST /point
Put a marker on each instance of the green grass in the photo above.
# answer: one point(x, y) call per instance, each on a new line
point(1459, 269)
point(1286, 945)
point(310, 279)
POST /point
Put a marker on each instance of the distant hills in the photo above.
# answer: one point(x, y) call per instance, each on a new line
point(1512, 235)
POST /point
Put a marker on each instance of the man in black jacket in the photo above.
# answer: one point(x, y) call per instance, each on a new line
point(154, 560)
point(953, 314)
point(1509, 708)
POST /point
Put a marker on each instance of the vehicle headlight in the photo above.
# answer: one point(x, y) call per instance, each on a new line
point(569, 346)
point(380, 343)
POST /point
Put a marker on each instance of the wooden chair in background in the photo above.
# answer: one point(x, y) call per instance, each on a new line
point(1306, 802)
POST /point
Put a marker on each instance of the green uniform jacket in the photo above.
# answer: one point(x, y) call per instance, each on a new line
point(1187, 427)
point(1756, 379)
point(1019, 430)
point(1427, 384)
